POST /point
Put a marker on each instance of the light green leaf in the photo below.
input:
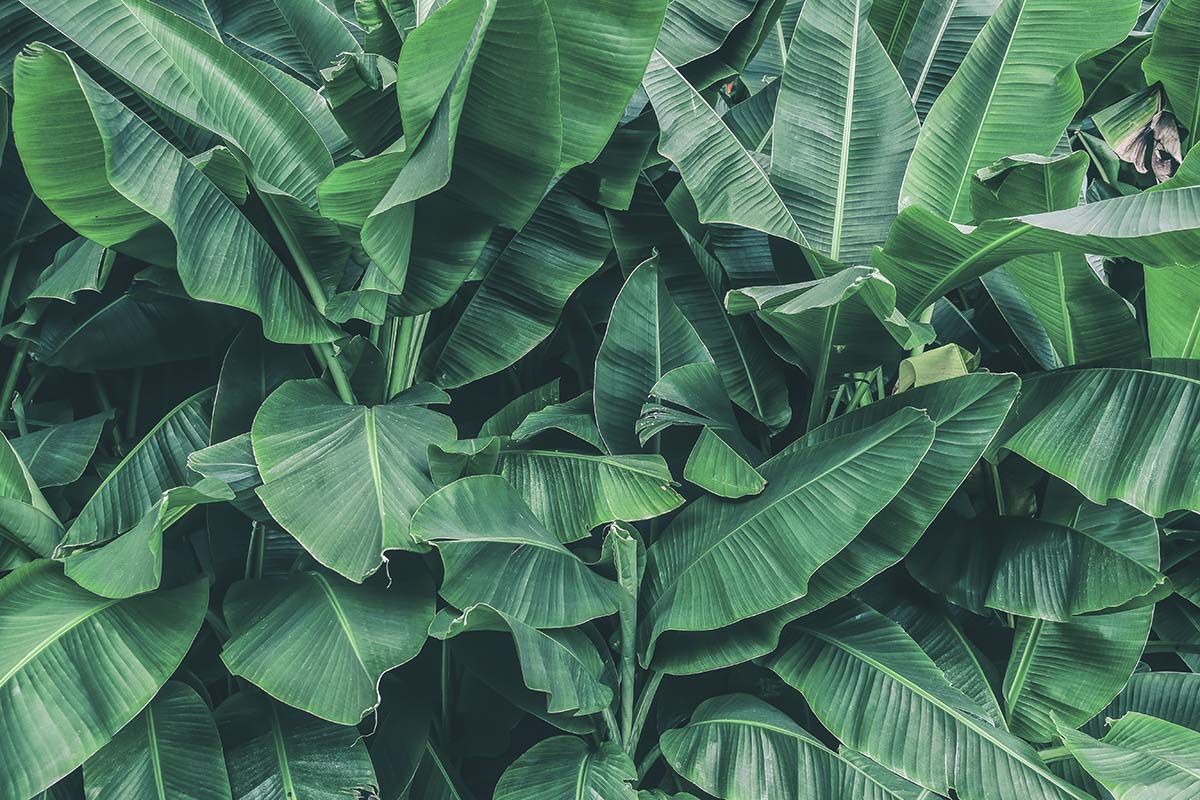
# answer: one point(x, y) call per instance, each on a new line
point(817, 501)
point(715, 466)
point(837, 174)
point(345, 480)
point(1141, 758)
point(647, 336)
point(941, 37)
point(1130, 433)
point(496, 552)
point(567, 767)
point(1064, 672)
point(59, 707)
point(725, 180)
point(873, 688)
point(170, 750)
point(320, 643)
point(95, 178)
point(571, 493)
point(738, 747)
point(1024, 59)
point(157, 463)
point(58, 455)
point(967, 412)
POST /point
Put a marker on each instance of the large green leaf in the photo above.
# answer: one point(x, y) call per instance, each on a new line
point(157, 463)
point(873, 688)
point(1173, 696)
point(567, 767)
point(95, 178)
point(1174, 60)
point(574, 492)
point(565, 665)
point(647, 336)
point(1141, 758)
point(320, 643)
point(926, 257)
point(58, 455)
point(739, 747)
point(183, 68)
point(817, 499)
point(279, 752)
point(497, 552)
point(1173, 311)
point(837, 175)
point(1131, 433)
point(1024, 58)
point(893, 21)
point(563, 244)
point(61, 704)
point(603, 47)
point(345, 480)
point(967, 412)
point(306, 35)
point(1084, 319)
point(1041, 568)
point(253, 368)
point(941, 36)
point(170, 750)
point(1064, 672)
point(725, 180)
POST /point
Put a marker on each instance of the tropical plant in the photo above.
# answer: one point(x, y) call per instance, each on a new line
point(608, 399)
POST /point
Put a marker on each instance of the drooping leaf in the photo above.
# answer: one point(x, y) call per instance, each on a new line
point(574, 492)
point(566, 767)
point(493, 546)
point(275, 751)
point(1024, 58)
point(321, 643)
point(698, 573)
point(1125, 433)
point(171, 749)
point(563, 664)
point(1174, 60)
point(60, 706)
point(58, 455)
point(95, 179)
point(738, 746)
point(1064, 672)
point(852, 665)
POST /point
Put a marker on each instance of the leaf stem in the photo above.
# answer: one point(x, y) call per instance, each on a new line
point(408, 336)
point(323, 351)
point(10, 379)
point(135, 396)
point(648, 761)
point(6, 282)
point(256, 552)
point(643, 708)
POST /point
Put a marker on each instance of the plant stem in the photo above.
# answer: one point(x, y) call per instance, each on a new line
point(10, 270)
point(1054, 753)
point(106, 405)
point(135, 396)
point(10, 380)
point(816, 407)
point(648, 761)
point(406, 351)
point(926, 317)
point(323, 351)
point(218, 625)
point(643, 708)
point(445, 691)
point(256, 552)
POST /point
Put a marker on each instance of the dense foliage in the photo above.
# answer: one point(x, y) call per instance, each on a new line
point(606, 399)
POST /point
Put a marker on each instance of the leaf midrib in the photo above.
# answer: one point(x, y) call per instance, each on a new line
point(848, 457)
point(54, 636)
point(978, 726)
